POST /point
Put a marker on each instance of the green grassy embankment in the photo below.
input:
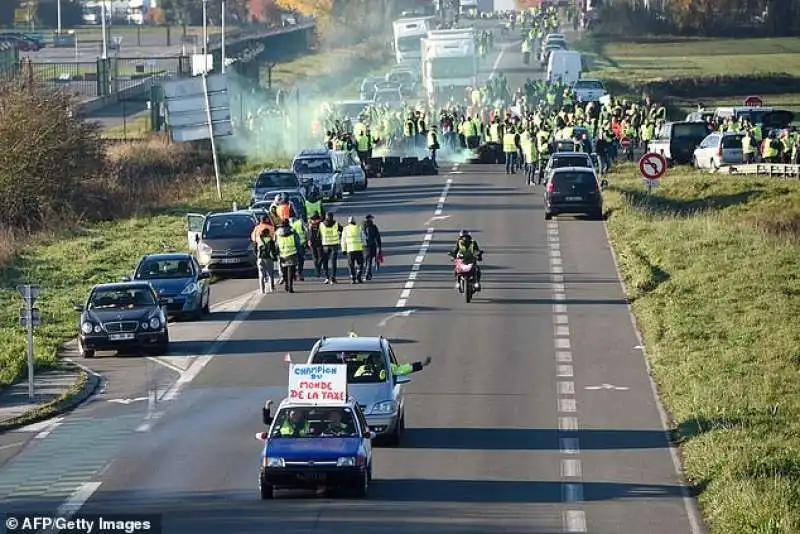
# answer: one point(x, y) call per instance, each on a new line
point(711, 266)
point(688, 71)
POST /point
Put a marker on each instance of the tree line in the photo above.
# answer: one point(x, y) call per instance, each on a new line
point(769, 18)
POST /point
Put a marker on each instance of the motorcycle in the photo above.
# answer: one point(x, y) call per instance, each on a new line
point(466, 271)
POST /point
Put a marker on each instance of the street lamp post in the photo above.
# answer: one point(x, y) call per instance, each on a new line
point(104, 36)
point(223, 37)
point(58, 12)
point(205, 28)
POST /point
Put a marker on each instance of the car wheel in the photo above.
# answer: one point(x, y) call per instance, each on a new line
point(267, 492)
point(369, 472)
point(207, 306)
point(548, 216)
point(361, 489)
point(695, 163)
point(366, 183)
point(163, 346)
point(393, 440)
point(85, 353)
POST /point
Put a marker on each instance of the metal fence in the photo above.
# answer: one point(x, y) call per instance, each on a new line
point(78, 77)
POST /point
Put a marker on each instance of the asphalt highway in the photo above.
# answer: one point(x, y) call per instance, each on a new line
point(536, 416)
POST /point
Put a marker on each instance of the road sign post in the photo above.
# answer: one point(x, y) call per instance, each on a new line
point(652, 166)
point(28, 318)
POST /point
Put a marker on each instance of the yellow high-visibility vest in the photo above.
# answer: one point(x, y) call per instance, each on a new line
point(330, 235)
point(287, 246)
point(353, 238)
point(508, 143)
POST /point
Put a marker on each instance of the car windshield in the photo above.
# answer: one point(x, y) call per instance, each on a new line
point(323, 422)
point(362, 367)
point(568, 182)
point(571, 161)
point(732, 141)
point(588, 84)
point(159, 269)
point(228, 227)
point(313, 166)
point(690, 130)
point(122, 298)
point(411, 43)
point(401, 77)
point(277, 180)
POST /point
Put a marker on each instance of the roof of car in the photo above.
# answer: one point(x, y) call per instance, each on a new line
point(346, 344)
point(293, 403)
point(229, 213)
point(313, 152)
point(570, 154)
point(559, 170)
point(168, 256)
point(122, 285)
point(273, 171)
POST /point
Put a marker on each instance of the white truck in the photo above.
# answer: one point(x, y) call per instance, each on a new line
point(407, 35)
point(449, 63)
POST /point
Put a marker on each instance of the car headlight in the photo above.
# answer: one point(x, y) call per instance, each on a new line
point(275, 462)
point(87, 328)
point(385, 407)
point(191, 287)
point(155, 322)
point(346, 461)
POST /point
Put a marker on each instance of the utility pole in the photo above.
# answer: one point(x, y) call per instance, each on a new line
point(28, 318)
point(58, 11)
point(104, 36)
point(223, 37)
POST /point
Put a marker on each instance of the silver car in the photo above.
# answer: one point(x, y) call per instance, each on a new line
point(719, 149)
point(353, 175)
point(370, 380)
point(320, 166)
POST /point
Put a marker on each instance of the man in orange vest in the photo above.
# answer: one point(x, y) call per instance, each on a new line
point(284, 210)
point(265, 224)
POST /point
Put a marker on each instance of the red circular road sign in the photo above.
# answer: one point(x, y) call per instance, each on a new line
point(754, 101)
point(625, 142)
point(652, 166)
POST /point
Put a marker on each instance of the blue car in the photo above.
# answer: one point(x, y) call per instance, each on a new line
point(181, 284)
point(308, 447)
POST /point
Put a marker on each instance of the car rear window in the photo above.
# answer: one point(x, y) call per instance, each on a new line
point(363, 367)
point(732, 141)
point(691, 130)
point(588, 84)
point(313, 166)
point(277, 180)
point(571, 161)
point(568, 182)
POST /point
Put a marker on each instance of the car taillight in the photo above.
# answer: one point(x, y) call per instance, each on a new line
point(550, 187)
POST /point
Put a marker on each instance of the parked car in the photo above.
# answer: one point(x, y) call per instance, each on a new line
point(677, 140)
point(180, 282)
point(270, 181)
point(320, 166)
point(221, 242)
point(719, 149)
point(122, 317)
point(575, 191)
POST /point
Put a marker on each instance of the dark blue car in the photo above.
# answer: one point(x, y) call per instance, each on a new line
point(182, 285)
point(308, 447)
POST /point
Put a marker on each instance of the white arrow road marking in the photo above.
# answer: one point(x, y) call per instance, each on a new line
point(436, 218)
point(38, 427)
point(607, 387)
point(128, 401)
point(404, 313)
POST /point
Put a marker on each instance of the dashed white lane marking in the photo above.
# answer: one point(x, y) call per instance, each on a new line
point(405, 294)
point(574, 520)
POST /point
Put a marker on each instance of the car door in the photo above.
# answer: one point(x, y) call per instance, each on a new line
point(705, 152)
point(362, 422)
point(347, 174)
point(194, 224)
point(354, 164)
point(204, 283)
point(398, 392)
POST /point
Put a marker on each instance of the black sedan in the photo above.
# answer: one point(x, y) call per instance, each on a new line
point(178, 280)
point(122, 317)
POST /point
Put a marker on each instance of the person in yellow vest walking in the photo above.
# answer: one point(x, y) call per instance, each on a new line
point(510, 149)
point(364, 145)
point(433, 145)
point(299, 228)
point(331, 232)
point(353, 242)
point(289, 246)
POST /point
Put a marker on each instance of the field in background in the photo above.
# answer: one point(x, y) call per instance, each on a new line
point(711, 267)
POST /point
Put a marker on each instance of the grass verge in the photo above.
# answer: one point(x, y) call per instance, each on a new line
point(133, 127)
point(711, 267)
point(695, 67)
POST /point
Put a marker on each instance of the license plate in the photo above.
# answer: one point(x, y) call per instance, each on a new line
point(574, 199)
point(311, 477)
point(170, 301)
point(230, 260)
point(120, 337)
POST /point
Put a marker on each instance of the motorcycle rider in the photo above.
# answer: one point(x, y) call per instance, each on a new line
point(470, 252)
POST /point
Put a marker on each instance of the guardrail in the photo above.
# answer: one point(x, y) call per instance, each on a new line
point(764, 169)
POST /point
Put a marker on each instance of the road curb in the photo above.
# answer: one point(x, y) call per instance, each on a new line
point(83, 388)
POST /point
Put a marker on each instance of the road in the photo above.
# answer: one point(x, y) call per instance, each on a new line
point(536, 416)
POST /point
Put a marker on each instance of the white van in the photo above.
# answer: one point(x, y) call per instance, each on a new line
point(564, 65)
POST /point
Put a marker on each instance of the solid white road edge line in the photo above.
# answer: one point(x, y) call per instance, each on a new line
point(696, 523)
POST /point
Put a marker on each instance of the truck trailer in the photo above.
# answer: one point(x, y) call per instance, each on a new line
point(449, 64)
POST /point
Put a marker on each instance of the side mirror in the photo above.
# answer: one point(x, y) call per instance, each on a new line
point(125, 278)
point(197, 238)
point(78, 307)
point(368, 435)
point(163, 302)
point(261, 436)
point(603, 184)
point(402, 379)
point(204, 275)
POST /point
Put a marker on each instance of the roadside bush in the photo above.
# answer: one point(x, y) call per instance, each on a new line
point(47, 155)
